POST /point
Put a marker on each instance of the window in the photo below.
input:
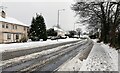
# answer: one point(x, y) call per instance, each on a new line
point(6, 25)
point(17, 36)
point(3, 26)
point(16, 27)
point(13, 26)
point(8, 36)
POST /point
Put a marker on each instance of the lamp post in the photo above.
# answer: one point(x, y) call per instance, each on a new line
point(59, 17)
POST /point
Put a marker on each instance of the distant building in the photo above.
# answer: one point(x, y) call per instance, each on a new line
point(11, 30)
point(59, 31)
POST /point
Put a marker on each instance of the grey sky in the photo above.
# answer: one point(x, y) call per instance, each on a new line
point(24, 11)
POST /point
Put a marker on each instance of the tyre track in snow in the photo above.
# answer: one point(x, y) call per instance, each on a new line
point(50, 61)
point(25, 64)
point(45, 60)
point(54, 62)
point(10, 54)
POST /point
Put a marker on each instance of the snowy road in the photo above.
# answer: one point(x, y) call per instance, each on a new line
point(48, 61)
point(10, 51)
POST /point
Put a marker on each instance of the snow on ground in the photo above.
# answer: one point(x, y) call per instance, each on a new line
point(101, 58)
point(28, 45)
point(95, 40)
point(31, 56)
point(75, 63)
point(112, 53)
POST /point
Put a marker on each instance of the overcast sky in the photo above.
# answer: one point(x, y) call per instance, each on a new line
point(24, 10)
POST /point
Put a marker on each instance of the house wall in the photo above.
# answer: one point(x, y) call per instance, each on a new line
point(13, 31)
point(0, 32)
point(20, 29)
point(60, 33)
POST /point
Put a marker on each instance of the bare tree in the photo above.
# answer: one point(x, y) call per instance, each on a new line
point(79, 31)
point(103, 14)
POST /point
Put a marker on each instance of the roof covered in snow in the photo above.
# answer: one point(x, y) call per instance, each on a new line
point(58, 29)
point(12, 20)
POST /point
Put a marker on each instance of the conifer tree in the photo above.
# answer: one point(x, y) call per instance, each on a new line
point(38, 29)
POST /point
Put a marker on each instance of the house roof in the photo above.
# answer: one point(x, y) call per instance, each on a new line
point(58, 29)
point(12, 20)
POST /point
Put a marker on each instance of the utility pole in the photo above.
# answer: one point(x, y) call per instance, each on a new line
point(58, 20)
point(58, 25)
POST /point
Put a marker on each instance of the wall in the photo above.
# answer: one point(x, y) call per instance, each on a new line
point(4, 31)
point(0, 32)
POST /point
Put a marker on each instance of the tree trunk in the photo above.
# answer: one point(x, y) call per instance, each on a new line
point(104, 33)
point(118, 40)
point(113, 35)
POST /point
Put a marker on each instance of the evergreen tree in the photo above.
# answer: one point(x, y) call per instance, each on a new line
point(51, 32)
point(38, 29)
point(72, 33)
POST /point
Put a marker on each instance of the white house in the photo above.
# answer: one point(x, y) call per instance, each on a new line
point(59, 31)
point(11, 30)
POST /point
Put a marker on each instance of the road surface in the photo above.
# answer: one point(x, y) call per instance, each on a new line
point(52, 61)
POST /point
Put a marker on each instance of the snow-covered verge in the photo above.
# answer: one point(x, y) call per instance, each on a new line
point(101, 58)
point(28, 45)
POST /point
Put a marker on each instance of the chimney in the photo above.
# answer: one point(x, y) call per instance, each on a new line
point(3, 14)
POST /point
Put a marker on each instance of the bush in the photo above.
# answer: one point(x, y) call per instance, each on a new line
point(44, 39)
point(23, 39)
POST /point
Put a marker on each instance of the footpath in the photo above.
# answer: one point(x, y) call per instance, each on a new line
point(101, 58)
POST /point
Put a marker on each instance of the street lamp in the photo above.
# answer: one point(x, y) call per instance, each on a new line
point(58, 17)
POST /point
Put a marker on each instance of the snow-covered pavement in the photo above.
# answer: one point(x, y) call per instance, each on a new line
point(101, 58)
